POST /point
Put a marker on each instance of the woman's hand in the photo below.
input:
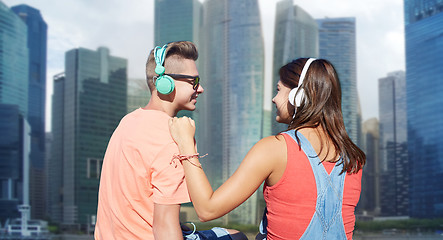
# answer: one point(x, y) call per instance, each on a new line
point(182, 131)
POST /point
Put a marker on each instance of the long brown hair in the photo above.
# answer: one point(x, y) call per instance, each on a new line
point(321, 106)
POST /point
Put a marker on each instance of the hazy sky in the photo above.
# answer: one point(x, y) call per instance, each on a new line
point(126, 28)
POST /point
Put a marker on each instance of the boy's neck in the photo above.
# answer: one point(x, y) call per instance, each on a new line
point(155, 103)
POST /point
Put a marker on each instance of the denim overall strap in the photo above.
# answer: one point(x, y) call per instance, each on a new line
point(327, 221)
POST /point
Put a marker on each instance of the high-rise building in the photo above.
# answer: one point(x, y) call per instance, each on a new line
point(267, 123)
point(138, 94)
point(394, 168)
point(14, 127)
point(37, 40)
point(91, 101)
point(369, 204)
point(48, 145)
point(424, 56)
point(14, 57)
point(178, 21)
point(295, 36)
point(14, 161)
point(55, 156)
point(359, 124)
point(231, 109)
point(338, 45)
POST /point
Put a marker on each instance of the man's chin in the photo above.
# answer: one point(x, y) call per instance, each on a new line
point(190, 107)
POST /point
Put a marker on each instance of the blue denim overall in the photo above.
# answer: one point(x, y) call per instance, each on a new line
point(327, 221)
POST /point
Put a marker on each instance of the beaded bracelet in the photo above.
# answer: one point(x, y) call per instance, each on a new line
point(187, 158)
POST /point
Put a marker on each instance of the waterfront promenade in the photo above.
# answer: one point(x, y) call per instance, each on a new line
point(251, 236)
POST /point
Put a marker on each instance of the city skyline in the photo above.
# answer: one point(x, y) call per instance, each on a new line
point(386, 149)
point(128, 31)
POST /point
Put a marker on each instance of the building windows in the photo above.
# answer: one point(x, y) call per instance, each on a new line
point(93, 167)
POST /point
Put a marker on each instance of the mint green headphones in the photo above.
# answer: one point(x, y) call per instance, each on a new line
point(164, 83)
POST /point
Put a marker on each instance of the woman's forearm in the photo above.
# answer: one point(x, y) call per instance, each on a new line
point(199, 187)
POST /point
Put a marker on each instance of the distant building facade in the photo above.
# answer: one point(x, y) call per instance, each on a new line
point(369, 204)
point(93, 98)
point(14, 161)
point(14, 67)
point(178, 21)
point(37, 42)
point(138, 94)
point(394, 168)
point(295, 36)
point(338, 45)
point(14, 127)
point(231, 108)
point(424, 85)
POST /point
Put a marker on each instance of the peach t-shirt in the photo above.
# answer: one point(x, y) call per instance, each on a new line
point(137, 172)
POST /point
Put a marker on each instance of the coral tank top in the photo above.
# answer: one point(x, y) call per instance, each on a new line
point(291, 201)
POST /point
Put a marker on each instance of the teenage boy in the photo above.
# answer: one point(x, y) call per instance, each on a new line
point(142, 184)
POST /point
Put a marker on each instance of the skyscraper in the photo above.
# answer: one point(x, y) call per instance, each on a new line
point(14, 57)
point(14, 161)
point(138, 94)
point(370, 191)
point(14, 128)
point(178, 21)
point(91, 101)
point(338, 45)
point(37, 40)
point(231, 107)
point(295, 36)
point(393, 145)
point(424, 57)
point(55, 159)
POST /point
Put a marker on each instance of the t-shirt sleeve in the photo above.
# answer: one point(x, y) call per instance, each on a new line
point(168, 178)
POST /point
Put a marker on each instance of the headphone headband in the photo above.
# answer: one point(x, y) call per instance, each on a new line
point(159, 56)
point(305, 70)
point(163, 83)
point(295, 95)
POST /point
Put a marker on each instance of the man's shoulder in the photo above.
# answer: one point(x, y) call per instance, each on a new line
point(147, 130)
point(146, 119)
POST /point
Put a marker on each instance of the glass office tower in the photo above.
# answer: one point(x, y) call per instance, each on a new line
point(338, 45)
point(55, 159)
point(178, 21)
point(138, 94)
point(295, 36)
point(37, 41)
point(14, 63)
point(14, 155)
point(424, 85)
point(370, 190)
point(394, 172)
point(89, 101)
point(14, 57)
point(232, 66)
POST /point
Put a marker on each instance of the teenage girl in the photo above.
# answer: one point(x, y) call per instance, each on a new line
point(312, 171)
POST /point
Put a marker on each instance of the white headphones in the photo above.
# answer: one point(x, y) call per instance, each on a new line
point(296, 95)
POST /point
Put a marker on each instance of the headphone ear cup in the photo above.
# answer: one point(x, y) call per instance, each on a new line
point(299, 97)
point(164, 84)
point(291, 96)
point(296, 96)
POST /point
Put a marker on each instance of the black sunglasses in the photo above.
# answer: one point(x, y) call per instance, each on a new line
point(195, 79)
